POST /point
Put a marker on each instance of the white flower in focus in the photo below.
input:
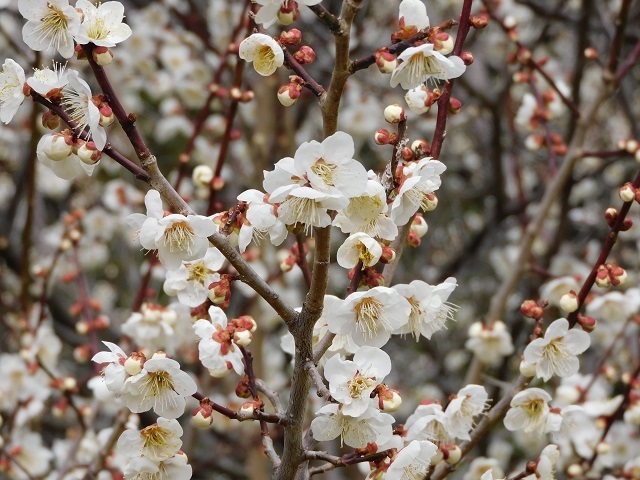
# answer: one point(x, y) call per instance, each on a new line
point(342, 344)
point(157, 442)
point(556, 353)
point(11, 89)
point(218, 352)
point(47, 79)
point(265, 53)
point(529, 411)
point(160, 385)
point(352, 381)
point(429, 307)
point(424, 62)
point(190, 282)
point(489, 344)
point(260, 219)
point(428, 422)
point(359, 247)
point(114, 374)
point(173, 468)
point(176, 237)
point(418, 179)
point(413, 13)
point(367, 213)
point(51, 24)
point(412, 462)
point(321, 176)
point(369, 317)
point(78, 102)
point(268, 13)
point(371, 426)
point(102, 24)
point(469, 402)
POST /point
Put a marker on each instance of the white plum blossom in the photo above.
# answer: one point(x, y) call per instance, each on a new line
point(423, 62)
point(371, 426)
point(343, 344)
point(413, 461)
point(259, 219)
point(160, 385)
point(429, 307)
point(417, 180)
point(265, 53)
point(157, 442)
point(489, 343)
point(352, 381)
point(44, 80)
point(554, 289)
point(190, 282)
point(556, 353)
point(321, 176)
point(11, 89)
point(173, 468)
point(469, 402)
point(359, 247)
point(55, 152)
point(416, 99)
point(367, 213)
point(156, 327)
point(428, 422)
point(268, 13)
point(413, 13)
point(52, 24)
point(369, 317)
point(102, 24)
point(529, 411)
point(78, 102)
point(114, 374)
point(177, 237)
point(546, 467)
point(218, 352)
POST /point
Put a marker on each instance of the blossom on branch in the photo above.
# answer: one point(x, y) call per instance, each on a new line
point(359, 247)
point(11, 89)
point(529, 411)
point(79, 104)
point(102, 24)
point(259, 219)
point(412, 462)
point(265, 53)
point(218, 350)
point(423, 62)
point(51, 25)
point(190, 282)
point(49, 81)
point(372, 426)
point(157, 442)
point(268, 13)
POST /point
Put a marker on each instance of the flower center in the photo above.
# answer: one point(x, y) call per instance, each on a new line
point(77, 106)
point(369, 316)
point(415, 317)
point(325, 171)
point(179, 236)
point(155, 439)
point(198, 272)
point(265, 60)
point(364, 254)
point(301, 210)
point(97, 30)
point(359, 384)
point(158, 383)
point(54, 24)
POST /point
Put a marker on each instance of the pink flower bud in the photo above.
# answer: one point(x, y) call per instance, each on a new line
point(305, 55)
point(288, 13)
point(421, 147)
point(407, 154)
point(602, 277)
point(627, 192)
point(50, 120)
point(479, 21)
point(202, 416)
point(220, 292)
point(242, 389)
point(382, 136)
point(451, 454)
point(289, 93)
point(88, 153)
point(443, 43)
point(610, 214)
point(106, 115)
point(531, 309)
point(388, 254)
point(618, 276)
point(590, 53)
point(467, 58)
point(385, 60)
point(413, 240)
point(454, 105)
point(292, 37)
point(419, 225)
point(588, 324)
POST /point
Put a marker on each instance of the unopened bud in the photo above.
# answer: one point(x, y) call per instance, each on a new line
point(88, 153)
point(419, 225)
point(305, 55)
point(394, 113)
point(631, 146)
point(242, 389)
point(102, 56)
point(50, 120)
point(602, 277)
point(531, 309)
point(443, 43)
point(217, 184)
point(575, 470)
point(250, 407)
point(455, 106)
point(479, 21)
point(134, 363)
point(382, 136)
point(413, 240)
point(588, 324)
point(202, 175)
point(618, 276)
point(569, 302)
point(289, 93)
point(590, 53)
point(388, 254)
point(59, 148)
point(292, 37)
point(430, 202)
point(451, 454)
point(627, 192)
point(202, 416)
point(220, 291)
point(421, 147)
point(385, 60)
point(610, 214)
point(389, 400)
point(242, 338)
point(527, 369)
point(407, 154)
point(467, 58)
point(627, 223)
point(288, 13)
